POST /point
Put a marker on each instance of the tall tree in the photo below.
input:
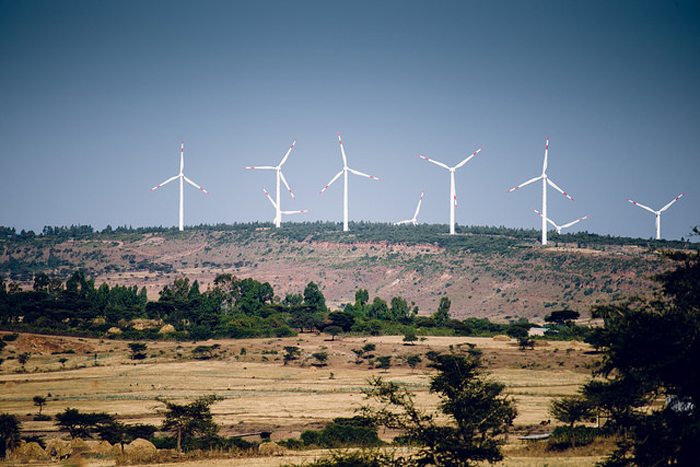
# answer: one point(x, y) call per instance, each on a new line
point(477, 413)
point(442, 315)
point(9, 433)
point(313, 297)
point(189, 421)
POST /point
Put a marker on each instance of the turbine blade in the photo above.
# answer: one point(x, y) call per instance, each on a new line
point(260, 167)
point(357, 172)
point(574, 222)
point(671, 203)
point(289, 189)
point(404, 222)
point(546, 154)
point(548, 220)
point(642, 206)
point(342, 151)
point(337, 176)
point(289, 151)
point(182, 156)
point(165, 182)
point(420, 201)
point(195, 185)
point(532, 180)
point(556, 187)
point(444, 166)
point(461, 164)
point(269, 198)
point(301, 211)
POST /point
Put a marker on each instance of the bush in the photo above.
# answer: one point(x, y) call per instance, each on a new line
point(344, 432)
point(560, 439)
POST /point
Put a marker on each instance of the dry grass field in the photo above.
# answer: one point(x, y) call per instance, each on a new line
point(261, 393)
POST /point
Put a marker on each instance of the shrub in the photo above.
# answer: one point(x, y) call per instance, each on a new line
point(560, 439)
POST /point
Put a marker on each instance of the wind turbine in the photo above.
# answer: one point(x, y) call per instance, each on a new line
point(657, 214)
point(344, 173)
point(559, 228)
point(279, 176)
point(183, 178)
point(453, 193)
point(545, 181)
point(278, 212)
point(414, 219)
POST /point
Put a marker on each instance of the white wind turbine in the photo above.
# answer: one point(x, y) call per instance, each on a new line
point(453, 192)
point(279, 213)
point(344, 173)
point(545, 181)
point(279, 176)
point(414, 219)
point(657, 214)
point(183, 178)
point(559, 228)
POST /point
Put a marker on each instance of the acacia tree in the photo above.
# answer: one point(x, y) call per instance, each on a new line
point(478, 413)
point(571, 410)
point(188, 421)
point(39, 401)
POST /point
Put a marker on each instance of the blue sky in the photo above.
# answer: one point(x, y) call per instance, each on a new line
point(95, 97)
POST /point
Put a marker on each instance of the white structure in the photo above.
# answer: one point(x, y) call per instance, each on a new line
point(414, 219)
point(344, 173)
point(453, 192)
point(278, 213)
point(559, 228)
point(657, 214)
point(183, 178)
point(545, 181)
point(279, 177)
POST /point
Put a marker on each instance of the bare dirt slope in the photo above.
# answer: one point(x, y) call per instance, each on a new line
point(514, 280)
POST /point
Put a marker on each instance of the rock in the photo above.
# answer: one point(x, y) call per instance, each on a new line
point(167, 329)
point(271, 449)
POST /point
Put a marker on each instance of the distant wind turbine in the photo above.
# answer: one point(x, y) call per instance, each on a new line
point(453, 192)
point(559, 228)
point(414, 219)
point(183, 178)
point(545, 181)
point(278, 212)
point(279, 176)
point(657, 214)
point(344, 173)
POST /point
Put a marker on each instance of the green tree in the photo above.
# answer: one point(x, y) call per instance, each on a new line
point(384, 362)
point(313, 297)
point(650, 348)
point(333, 331)
point(409, 337)
point(478, 413)
point(189, 421)
point(571, 410)
point(321, 358)
point(361, 297)
point(39, 401)
point(291, 352)
point(562, 316)
point(138, 350)
point(62, 361)
point(23, 358)
point(413, 361)
point(82, 425)
point(10, 428)
point(442, 315)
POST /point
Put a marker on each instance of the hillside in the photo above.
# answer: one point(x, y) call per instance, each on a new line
point(486, 272)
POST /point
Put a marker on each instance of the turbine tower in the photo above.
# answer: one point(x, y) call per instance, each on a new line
point(564, 226)
point(414, 219)
point(657, 214)
point(453, 192)
point(276, 206)
point(279, 176)
point(545, 181)
point(183, 178)
point(344, 173)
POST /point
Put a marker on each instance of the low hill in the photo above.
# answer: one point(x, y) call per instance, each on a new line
point(486, 272)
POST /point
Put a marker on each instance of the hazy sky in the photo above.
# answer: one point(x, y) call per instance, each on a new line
point(95, 97)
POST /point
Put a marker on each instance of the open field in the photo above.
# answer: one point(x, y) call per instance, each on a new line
point(258, 391)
